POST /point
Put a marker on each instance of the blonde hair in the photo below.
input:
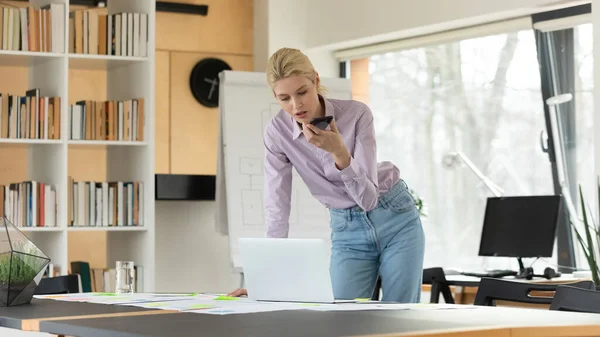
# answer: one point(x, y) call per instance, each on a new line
point(287, 62)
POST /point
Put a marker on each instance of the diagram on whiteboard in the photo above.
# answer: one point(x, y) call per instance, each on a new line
point(252, 195)
point(252, 207)
point(251, 169)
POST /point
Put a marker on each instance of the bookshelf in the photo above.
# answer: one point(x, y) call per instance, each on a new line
point(127, 78)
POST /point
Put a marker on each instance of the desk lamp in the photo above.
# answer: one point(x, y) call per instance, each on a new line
point(452, 159)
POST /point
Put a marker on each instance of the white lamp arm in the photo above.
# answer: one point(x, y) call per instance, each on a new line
point(496, 190)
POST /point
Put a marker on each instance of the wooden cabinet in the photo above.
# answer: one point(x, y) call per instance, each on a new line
point(186, 131)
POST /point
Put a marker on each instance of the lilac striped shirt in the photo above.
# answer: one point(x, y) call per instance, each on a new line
point(360, 184)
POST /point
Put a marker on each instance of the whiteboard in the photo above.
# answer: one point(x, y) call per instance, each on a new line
point(246, 104)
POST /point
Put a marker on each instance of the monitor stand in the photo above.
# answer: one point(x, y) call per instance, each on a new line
point(524, 273)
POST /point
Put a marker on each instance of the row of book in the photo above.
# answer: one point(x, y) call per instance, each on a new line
point(104, 204)
point(122, 34)
point(29, 117)
point(29, 204)
point(107, 120)
point(33, 29)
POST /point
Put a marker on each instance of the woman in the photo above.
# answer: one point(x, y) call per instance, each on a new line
point(376, 229)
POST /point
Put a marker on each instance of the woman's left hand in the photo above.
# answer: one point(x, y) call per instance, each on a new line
point(330, 141)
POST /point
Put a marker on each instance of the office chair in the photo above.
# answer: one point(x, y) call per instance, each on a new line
point(58, 285)
point(491, 289)
point(569, 298)
point(377, 290)
point(435, 277)
point(439, 285)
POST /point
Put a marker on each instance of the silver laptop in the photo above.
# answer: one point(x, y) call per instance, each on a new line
point(290, 270)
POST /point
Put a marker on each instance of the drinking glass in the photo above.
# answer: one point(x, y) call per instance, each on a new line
point(125, 277)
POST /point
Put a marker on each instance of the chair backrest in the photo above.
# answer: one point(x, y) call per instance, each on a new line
point(439, 285)
point(58, 285)
point(435, 274)
point(491, 289)
point(376, 292)
point(568, 298)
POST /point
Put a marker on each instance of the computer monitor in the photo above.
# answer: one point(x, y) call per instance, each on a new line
point(520, 226)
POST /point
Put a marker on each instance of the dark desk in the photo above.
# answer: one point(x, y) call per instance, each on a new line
point(472, 281)
point(270, 324)
point(131, 322)
point(28, 317)
point(467, 290)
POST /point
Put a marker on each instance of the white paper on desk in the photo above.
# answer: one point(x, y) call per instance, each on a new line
point(120, 299)
point(235, 307)
point(373, 306)
point(245, 307)
point(388, 306)
point(210, 305)
point(436, 306)
point(181, 305)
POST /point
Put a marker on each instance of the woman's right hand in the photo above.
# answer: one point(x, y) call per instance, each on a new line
point(238, 292)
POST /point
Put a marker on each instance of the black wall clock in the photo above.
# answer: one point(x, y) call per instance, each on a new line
point(204, 81)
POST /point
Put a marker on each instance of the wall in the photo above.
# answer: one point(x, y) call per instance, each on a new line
point(319, 27)
point(186, 132)
point(272, 30)
point(187, 242)
point(189, 225)
point(183, 40)
point(186, 140)
point(336, 23)
point(351, 23)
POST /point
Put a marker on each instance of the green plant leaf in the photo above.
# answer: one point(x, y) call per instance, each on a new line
point(591, 256)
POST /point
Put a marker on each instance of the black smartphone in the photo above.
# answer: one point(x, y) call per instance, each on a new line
point(321, 122)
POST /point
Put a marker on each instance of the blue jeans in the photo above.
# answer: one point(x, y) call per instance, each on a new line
point(388, 241)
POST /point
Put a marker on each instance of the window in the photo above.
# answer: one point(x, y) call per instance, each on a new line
point(480, 97)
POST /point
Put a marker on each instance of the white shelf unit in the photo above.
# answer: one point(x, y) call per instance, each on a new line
point(127, 78)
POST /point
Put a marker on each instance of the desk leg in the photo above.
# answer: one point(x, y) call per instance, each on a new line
point(459, 294)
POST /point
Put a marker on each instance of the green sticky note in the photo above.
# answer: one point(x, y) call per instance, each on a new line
point(155, 304)
point(362, 299)
point(105, 294)
point(201, 306)
point(226, 298)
